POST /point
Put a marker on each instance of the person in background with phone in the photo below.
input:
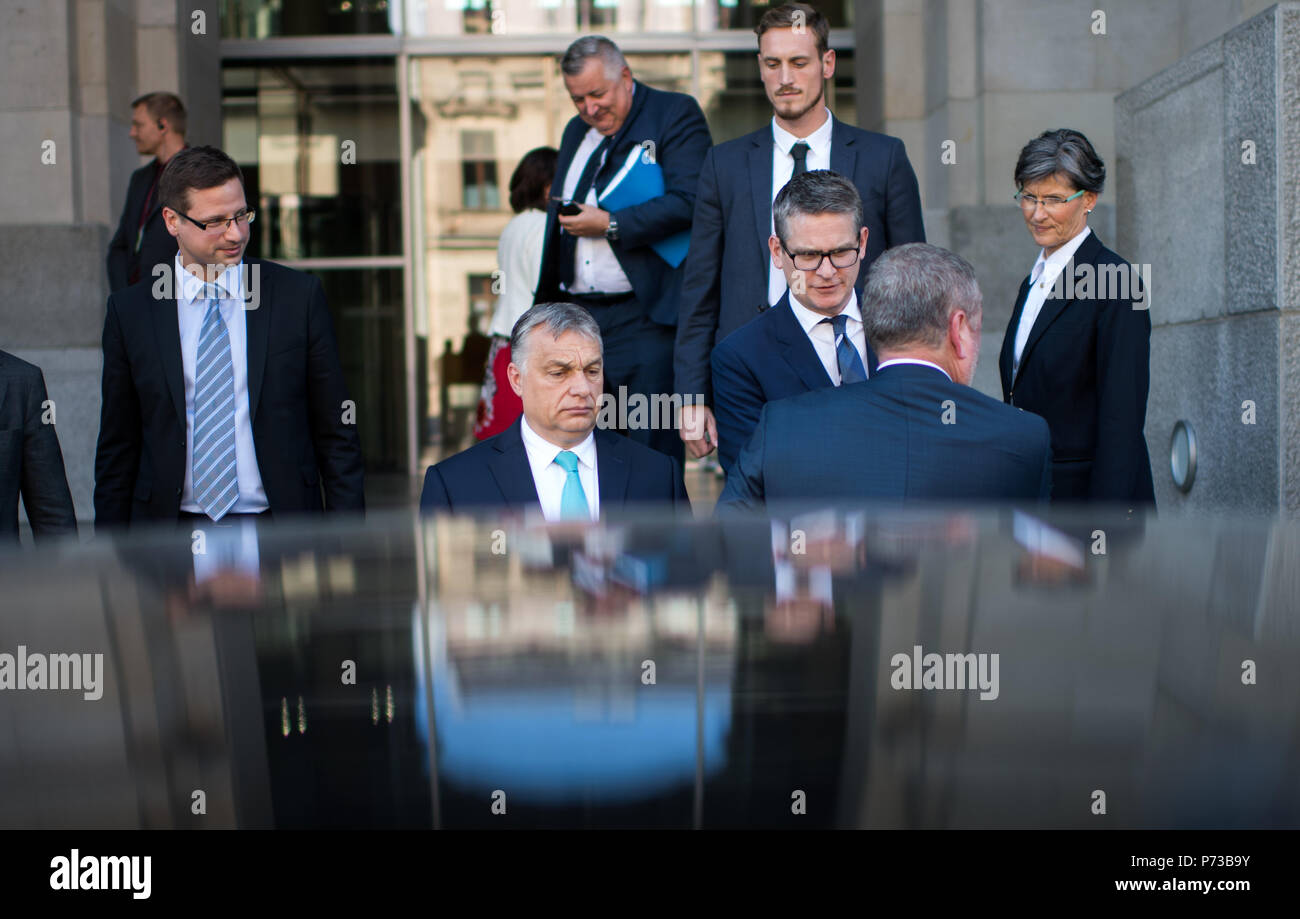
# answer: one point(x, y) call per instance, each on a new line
point(142, 240)
point(519, 262)
point(606, 261)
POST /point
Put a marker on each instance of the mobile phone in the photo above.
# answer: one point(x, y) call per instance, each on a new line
point(570, 209)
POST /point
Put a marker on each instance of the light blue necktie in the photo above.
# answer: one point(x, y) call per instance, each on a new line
point(573, 500)
point(216, 481)
point(850, 362)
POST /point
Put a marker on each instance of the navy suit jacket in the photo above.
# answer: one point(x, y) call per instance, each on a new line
point(31, 463)
point(676, 126)
point(157, 245)
point(296, 396)
point(1086, 370)
point(494, 475)
point(733, 219)
point(886, 439)
point(771, 358)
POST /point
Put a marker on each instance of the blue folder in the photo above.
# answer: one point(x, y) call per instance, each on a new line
point(640, 180)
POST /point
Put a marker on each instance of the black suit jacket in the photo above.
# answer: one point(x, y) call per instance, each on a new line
point(1086, 369)
point(770, 358)
point(31, 463)
point(495, 474)
point(908, 433)
point(157, 245)
point(733, 219)
point(296, 396)
point(676, 126)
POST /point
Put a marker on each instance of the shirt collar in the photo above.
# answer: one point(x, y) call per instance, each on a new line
point(1061, 257)
point(819, 140)
point(911, 360)
point(539, 446)
point(808, 319)
point(229, 281)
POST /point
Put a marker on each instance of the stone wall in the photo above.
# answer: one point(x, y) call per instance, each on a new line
point(70, 71)
point(1212, 189)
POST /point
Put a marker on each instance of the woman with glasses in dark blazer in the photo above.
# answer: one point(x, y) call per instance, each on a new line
point(1077, 349)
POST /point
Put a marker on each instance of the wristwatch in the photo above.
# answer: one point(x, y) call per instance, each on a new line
point(611, 232)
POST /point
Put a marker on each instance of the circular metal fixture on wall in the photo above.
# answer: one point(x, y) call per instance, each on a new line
point(1182, 456)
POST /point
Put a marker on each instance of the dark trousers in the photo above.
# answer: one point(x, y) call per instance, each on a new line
point(638, 357)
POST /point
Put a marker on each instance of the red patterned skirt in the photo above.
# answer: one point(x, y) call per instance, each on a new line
point(498, 406)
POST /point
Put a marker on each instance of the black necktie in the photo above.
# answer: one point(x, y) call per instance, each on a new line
point(569, 242)
point(800, 153)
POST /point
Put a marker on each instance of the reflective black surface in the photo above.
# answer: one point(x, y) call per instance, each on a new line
point(405, 673)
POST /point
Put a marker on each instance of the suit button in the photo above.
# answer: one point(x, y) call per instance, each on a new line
point(761, 307)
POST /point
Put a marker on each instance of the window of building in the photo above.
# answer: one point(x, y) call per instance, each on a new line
point(478, 170)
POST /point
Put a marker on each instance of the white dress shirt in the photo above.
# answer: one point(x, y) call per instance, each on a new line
point(549, 476)
point(597, 269)
point(822, 334)
point(190, 309)
point(910, 360)
point(519, 259)
point(1041, 280)
point(819, 157)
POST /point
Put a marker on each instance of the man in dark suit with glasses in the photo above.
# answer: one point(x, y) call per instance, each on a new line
point(812, 338)
point(223, 394)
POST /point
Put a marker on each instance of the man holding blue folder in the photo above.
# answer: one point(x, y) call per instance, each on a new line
point(619, 221)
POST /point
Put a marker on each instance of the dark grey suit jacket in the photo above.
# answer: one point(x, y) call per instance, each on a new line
point(31, 463)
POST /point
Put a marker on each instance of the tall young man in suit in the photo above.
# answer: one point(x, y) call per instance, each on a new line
point(604, 260)
point(728, 279)
point(142, 240)
point(223, 394)
point(916, 430)
point(31, 464)
point(813, 338)
point(554, 457)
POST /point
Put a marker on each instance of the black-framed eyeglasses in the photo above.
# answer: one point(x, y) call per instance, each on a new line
point(811, 261)
point(243, 218)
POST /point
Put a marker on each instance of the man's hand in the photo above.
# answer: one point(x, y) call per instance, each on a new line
point(699, 431)
point(591, 222)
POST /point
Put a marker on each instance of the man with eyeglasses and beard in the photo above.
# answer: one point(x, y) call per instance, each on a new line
point(223, 394)
point(813, 337)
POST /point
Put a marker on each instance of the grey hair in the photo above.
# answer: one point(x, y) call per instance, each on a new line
point(819, 191)
point(584, 49)
point(558, 319)
point(911, 292)
point(1065, 151)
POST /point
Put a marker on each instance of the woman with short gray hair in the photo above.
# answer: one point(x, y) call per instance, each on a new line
point(1077, 349)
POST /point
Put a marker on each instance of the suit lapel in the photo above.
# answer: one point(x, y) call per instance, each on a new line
point(257, 328)
point(509, 468)
point(611, 469)
point(796, 348)
point(1053, 307)
point(844, 155)
point(760, 179)
point(167, 332)
point(1006, 360)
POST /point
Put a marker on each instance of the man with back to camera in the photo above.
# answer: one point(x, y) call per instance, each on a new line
point(142, 241)
point(916, 430)
point(223, 395)
point(728, 279)
point(554, 457)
